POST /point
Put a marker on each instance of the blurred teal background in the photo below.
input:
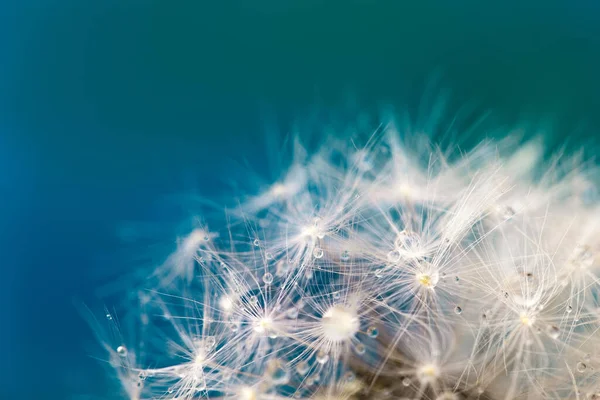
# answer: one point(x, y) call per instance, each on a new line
point(106, 106)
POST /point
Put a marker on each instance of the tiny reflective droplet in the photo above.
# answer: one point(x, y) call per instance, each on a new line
point(269, 256)
point(302, 368)
point(292, 313)
point(581, 367)
point(393, 256)
point(322, 357)
point(507, 212)
point(210, 342)
point(406, 382)
point(318, 252)
point(360, 348)
point(256, 242)
point(349, 376)
point(553, 331)
point(372, 332)
point(108, 316)
point(253, 300)
point(379, 273)
point(569, 309)
point(457, 279)
point(458, 309)
point(268, 278)
point(336, 295)
point(345, 255)
point(122, 351)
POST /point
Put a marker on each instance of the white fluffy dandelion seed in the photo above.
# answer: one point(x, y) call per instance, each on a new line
point(394, 270)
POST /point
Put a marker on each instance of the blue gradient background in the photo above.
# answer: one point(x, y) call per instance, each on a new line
point(108, 105)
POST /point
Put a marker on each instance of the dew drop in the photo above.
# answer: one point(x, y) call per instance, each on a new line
point(406, 240)
point(393, 256)
point(360, 348)
point(210, 342)
point(122, 351)
point(553, 331)
point(256, 242)
point(269, 256)
point(345, 255)
point(581, 367)
point(292, 312)
point(279, 372)
point(457, 279)
point(318, 252)
point(349, 376)
point(322, 357)
point(507, 212)
point(458, 310)
point(108, 316)
point(372, 332)
point(569, 309)
point(379, 273)
point(302, 368)
point(253, 299)
point(268, 278)
point(406, 382)
point(336, 295)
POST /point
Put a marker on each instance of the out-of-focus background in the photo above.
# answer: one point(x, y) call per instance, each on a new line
point(106, 106)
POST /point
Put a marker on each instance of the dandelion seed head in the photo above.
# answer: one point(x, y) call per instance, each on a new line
point(339, 323)
point(427, 374)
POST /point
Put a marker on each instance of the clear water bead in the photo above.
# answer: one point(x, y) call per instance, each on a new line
point(406, 382)
point(360, 348)
point(345, 255)
point(372, 332)
point(318, 252)
point(210, 342)
point(349, 376)
point(122, 351)
point(393, 256)
point(322, 357)
point(302, 368)
point(458, 310)
point(256, 242)
point(292, 312)
point(581, 367)
point(569, 309)
point(553, 331)
point(279, 372)
point(268, 278)
point(406, 240)
point(507, 212)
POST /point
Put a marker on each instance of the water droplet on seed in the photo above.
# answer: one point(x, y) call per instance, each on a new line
point(318, 252)
point(122, 351)
point(268, 278)
point(372, 332)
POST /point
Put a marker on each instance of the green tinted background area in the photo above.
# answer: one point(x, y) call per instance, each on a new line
point(105, 105)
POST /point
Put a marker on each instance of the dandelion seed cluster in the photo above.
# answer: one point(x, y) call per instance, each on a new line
point(395, 271)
